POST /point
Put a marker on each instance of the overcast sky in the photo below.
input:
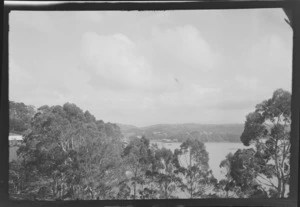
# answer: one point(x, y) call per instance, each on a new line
point(146, 68)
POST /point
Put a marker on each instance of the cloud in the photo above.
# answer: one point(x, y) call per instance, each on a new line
point(247, 83)
point(186, 44)
point(236, 104)
point(161, 67)
point(18, 80)
point(17, 75)
point(116, 61)
point(271, 50)
point(270, 60)
point(189, 95)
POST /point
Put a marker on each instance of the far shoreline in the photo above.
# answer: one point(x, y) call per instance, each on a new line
point(153, 140)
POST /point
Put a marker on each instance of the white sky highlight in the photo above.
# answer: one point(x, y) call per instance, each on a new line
point(149, 67)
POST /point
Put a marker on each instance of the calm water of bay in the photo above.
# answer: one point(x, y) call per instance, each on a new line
point(217, 152)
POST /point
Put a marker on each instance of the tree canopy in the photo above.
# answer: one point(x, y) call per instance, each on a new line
point(193, 158)
point(267, 129)
point(20, 116)
point(67, 153)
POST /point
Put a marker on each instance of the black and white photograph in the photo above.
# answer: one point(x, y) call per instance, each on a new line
point(134, 105)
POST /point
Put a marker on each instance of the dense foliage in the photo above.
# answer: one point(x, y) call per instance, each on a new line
point(20, 116)
point(198, 178)
point(67, 153)
point(264, 170)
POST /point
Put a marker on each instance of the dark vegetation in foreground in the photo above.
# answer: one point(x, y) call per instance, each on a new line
point(68, 154)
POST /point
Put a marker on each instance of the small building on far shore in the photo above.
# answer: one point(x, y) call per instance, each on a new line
point(14, 143)
point(14, 138)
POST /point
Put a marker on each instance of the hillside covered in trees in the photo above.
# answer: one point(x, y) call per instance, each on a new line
point(68, 154)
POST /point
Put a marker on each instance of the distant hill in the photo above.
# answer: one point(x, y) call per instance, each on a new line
point(125, 127)
point(180, 132)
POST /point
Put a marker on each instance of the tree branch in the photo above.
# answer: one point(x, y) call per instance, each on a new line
point(270, 183)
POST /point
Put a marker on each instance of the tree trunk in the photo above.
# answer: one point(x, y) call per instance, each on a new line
point(56, 190)
point(25, 170)
point(283, 190)
point(166, 191)
point(279, 188)
point(191, 178)
point(134, 191)
point(91, 194)
point(61, 190)
point(72, 143)
point(53, 188)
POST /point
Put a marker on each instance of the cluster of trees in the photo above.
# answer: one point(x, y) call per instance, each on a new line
point(68, 154)
point(20, 116)
point(163, 174)
point(264, 169)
